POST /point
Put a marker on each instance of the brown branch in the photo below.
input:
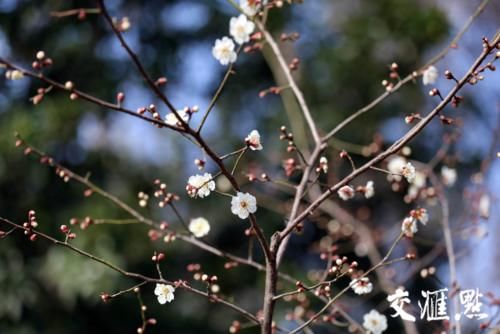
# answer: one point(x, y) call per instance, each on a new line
point(141, 277)
point(397, 145)
point(85, 96)
point(138, 64)
point(383, 262)
point(411, 76)
point(291, 81)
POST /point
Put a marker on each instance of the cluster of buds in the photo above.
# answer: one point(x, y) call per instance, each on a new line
point(412, 117)
point(169, 237)
point(63, 174)
point(162, 195)
point(30, 225)
point(263, 177)
point(41, 61)
point(322, 166)
point(288, 136)
point(149, 322)
point(322, 290)
point(200, 163)
point(154, 235)
point(446, 120)
point(291, 37)
point(289, 165)
point(294, 64)
point(151, 109)
point(300, 286)
point(143, 199)
point(425, 272)
point(420, 214)
point(84, 224)
point(235, 327)
point(158, 257)
point(122, 24)
point(341, 265)
point(271, 90)
point(66, 230)
point(105, 297)
point(199, 275)
point(393, 75)
point(40, 94)
point(456, 100)
point(256, 43)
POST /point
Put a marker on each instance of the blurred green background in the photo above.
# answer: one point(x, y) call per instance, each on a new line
point(345, 49)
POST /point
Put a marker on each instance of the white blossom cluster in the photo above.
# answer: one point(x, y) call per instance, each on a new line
point(240, 30)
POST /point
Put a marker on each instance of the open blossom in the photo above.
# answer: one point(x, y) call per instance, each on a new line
point(240, 28)
point(430, 75)
point(421, 215)
point(223, 51)
point(253, 141)
point(418, 183)
point(164, 293)
point(369, 190)
point(200, 185)
point(394, 166)
point(346, 193)
point(199, 227)
point(243, 204)
point(251, 7)
point(409, 227)
point(484, 206)
point(171, 118)
point(361, 285)
point(409, 172)
point(449, 175)
point(374, 322)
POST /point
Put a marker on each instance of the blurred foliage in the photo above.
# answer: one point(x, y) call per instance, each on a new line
point(45, 289)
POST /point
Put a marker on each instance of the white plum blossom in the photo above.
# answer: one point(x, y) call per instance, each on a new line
point(409, 227)
point(449, 176)
point(430, 75)
point(200, 185)
point(14, 75)
point(346, 192)
point(369, 189)
point(418, 183)
point(199, 227)
point(394, 166)
point(240, 28)
point(164, 293)
point(251, 7)
point(243, 204)
point(374, 322)
point(484, 206)
point(361, 285)
point(171, 118)
point(421, 215)
point(223, 51)
point(253, 141)
point(409, 172)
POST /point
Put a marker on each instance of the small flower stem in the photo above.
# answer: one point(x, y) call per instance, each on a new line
point(218, 92)
point(179, 216)
point(238, 160)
